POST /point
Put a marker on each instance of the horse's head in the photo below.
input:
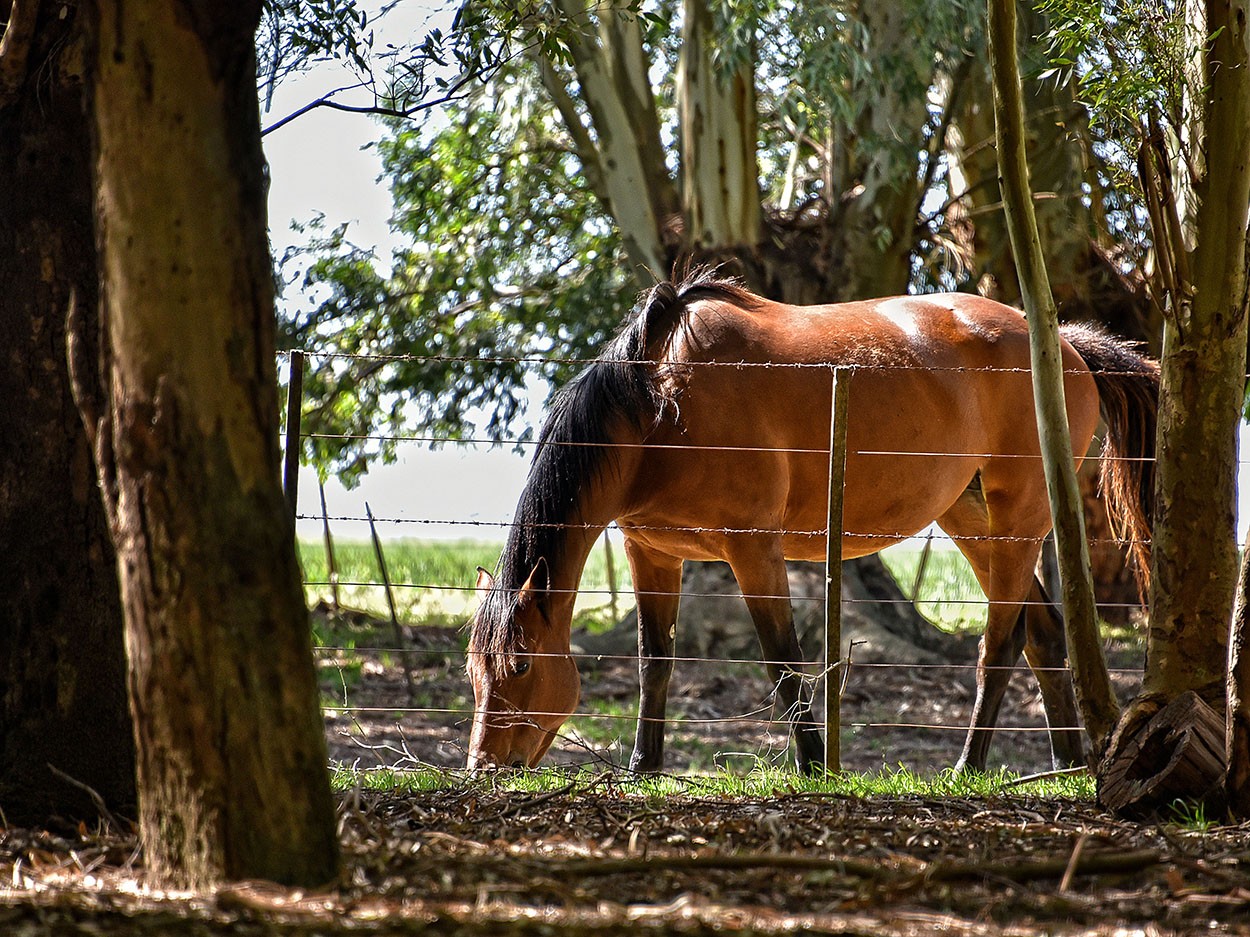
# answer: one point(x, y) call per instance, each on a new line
point(525, 683)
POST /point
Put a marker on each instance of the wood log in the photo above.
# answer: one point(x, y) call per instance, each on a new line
point(1177, 755)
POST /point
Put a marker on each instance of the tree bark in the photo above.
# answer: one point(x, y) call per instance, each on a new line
point(62, 666)
point(1095, 695)
point(1178, 755)
point(232, 758)
point(626, 156)
point(1194, 565)
point(720, 179)
point(1194, 554)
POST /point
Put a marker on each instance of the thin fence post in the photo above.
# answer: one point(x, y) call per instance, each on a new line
point(390, 602)
point(332, 565)
point(921, 567)
point(611, 570)
point(294, 409)
point(833, 571)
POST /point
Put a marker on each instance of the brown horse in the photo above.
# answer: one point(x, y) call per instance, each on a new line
point(703, 432)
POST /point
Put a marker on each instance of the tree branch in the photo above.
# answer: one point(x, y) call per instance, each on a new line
point(454, 93)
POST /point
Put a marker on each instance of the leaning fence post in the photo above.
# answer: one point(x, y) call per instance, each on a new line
point(833, 571)
point(332, 565)
point(294, 407)
point(400, 647)
point(611, 571)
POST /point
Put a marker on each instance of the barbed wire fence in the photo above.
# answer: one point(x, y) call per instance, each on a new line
point(426, 706)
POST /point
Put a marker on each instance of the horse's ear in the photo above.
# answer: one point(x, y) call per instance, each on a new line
point(485, 581)
point(539, 581)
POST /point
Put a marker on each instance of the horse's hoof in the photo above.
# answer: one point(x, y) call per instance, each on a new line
point(965, 767)
point(812, 768)
point(644, 766)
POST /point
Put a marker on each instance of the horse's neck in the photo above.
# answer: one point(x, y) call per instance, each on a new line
point(598, 510)
point(567, 574)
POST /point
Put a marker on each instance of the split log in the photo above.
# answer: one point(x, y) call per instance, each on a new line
point(1177, 755)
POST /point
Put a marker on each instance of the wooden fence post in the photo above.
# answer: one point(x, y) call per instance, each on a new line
point(611, 571)
point(400, 646)
point(294, 409)
point(332, 566)
point(834, 670)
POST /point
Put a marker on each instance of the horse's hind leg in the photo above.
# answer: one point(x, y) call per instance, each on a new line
point(1003, 565)
point(759, 566)
point(657, 585)
point(1037, 630)
point(1046, 651)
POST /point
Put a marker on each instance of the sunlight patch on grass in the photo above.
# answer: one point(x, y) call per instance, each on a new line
point(764, 782)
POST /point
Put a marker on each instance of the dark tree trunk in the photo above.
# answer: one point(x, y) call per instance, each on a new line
point(62, 665)
point(182, 398)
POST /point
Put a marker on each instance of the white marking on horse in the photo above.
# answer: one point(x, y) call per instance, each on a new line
point(902, 312)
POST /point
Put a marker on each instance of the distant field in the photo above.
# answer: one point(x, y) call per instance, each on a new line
point(434, 581)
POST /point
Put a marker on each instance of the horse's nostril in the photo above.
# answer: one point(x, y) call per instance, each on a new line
point(518, 763)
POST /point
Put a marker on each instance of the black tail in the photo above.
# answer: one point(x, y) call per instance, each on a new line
point(1128, 389)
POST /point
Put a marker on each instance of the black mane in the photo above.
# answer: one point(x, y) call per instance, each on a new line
point(618, 387)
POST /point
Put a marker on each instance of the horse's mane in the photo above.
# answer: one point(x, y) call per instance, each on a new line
point(619, 387)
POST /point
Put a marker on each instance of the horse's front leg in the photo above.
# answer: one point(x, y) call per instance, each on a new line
point(657, 587)
point(760, 568)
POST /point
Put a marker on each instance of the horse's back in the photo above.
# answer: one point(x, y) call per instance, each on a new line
point(938, 384)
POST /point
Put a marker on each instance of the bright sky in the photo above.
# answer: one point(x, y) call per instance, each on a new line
point(320, 163)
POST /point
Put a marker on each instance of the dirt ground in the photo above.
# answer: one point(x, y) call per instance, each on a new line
point(596, 858)
point(720, 714)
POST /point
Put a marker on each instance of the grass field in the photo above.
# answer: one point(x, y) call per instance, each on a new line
point(760, 782)
point(433, 581)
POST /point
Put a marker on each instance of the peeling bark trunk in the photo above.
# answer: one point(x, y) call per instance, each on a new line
point(633, 181)
point(719, 176)
point(62, 666)
point(1194, 566)
point(1194, 555)
point(232, 758)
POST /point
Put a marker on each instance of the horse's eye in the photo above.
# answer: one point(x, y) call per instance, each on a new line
point(520, 668)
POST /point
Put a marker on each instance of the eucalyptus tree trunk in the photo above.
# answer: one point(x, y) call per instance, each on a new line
point(875, 190)
point(1204, 352)
point(1099, 708)
point(63, 711)
point(1194, 554)
point(1204, 364)
point(624, 156)
point(182, 403)
point(719, 176)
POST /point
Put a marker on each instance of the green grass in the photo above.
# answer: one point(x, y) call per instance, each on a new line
point(762, 782)
point(949, 594)
point(434, 580)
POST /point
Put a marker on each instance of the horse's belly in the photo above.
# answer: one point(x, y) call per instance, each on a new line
point(686, 506)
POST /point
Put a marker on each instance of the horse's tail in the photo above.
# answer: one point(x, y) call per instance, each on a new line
point(1128, 390)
